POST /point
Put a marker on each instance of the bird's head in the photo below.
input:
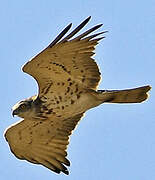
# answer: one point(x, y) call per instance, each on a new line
point(23, 108)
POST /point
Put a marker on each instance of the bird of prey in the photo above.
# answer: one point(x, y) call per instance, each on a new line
point(67, 77)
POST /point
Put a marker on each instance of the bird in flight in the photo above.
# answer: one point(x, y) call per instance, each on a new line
point(67, 78)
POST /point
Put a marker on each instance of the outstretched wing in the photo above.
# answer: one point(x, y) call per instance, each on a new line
point(43, 142)
point(66, 60)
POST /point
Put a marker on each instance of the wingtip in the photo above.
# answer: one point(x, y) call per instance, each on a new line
point(88, 18)
point(100, 25)
point(66, 172)
point(85, 21)
point(105, 31)
point(69, 26)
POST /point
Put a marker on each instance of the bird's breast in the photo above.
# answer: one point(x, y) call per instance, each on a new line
point(64, 105)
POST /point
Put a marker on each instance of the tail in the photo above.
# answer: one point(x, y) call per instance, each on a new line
point(136, 95)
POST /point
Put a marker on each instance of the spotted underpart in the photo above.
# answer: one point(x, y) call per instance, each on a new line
point(60, 66)
point(57, 105)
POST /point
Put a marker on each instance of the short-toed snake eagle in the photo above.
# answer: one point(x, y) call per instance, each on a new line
point(67, 77)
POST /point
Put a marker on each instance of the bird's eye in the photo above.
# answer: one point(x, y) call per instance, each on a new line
point(22, 106)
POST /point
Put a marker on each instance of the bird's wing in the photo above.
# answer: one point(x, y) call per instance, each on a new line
point(66, 60)
point(42, 142)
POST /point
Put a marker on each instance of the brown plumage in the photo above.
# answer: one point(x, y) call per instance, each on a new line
point(67, 77)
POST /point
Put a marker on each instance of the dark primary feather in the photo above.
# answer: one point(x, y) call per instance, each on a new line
point(75, 31)
point(71, 34)
point(88, 32)
point(60, 35)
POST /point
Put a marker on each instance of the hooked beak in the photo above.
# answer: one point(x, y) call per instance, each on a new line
point(14, 113)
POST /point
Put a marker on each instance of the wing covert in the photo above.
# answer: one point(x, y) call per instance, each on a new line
point(68, 58)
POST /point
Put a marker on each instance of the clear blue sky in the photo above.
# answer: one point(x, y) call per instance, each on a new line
point(112, 142)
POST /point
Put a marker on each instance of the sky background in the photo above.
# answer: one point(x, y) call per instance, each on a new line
point(112, 142)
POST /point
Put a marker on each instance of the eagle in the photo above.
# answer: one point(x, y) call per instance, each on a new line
point(67, 78)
